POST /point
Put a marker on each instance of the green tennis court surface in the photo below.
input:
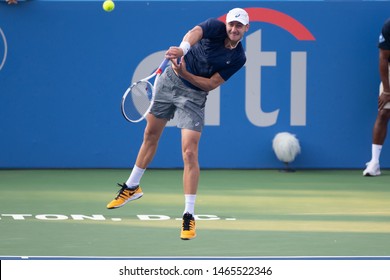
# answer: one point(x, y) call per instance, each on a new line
point(241, 213)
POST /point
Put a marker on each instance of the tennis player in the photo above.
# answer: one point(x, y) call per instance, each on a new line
point(208, 56)
point(380, 127)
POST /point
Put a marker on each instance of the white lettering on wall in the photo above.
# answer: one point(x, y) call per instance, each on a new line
point(256, 60)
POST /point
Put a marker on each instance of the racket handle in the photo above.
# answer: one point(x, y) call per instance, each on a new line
point(162, 66)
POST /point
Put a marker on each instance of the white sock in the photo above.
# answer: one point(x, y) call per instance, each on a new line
point(376, 152)
point(189, 203)
point(135, 176)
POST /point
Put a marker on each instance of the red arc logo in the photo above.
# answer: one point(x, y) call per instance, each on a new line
point(284, 21)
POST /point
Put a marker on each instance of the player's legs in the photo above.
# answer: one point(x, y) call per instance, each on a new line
point(380, 127)
point(131, 190)
point(190, 147)
point(154, 128)
point(190, 116)
point(190, 144)
point(379, 134)
point(161, 111)
point(146, 153)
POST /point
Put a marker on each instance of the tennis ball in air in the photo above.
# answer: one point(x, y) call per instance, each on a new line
point(108, 5)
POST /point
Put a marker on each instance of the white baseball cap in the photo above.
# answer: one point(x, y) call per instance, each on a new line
point(239, 15)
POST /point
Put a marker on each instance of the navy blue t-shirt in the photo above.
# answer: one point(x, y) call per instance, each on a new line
point(384, 38)
point(210, 55)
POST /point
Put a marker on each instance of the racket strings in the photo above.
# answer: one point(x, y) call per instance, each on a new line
point(138, 100)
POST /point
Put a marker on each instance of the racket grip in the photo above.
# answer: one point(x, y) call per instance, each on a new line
point(163, 64)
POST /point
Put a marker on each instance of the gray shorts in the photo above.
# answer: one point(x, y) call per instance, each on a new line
point(173, 97)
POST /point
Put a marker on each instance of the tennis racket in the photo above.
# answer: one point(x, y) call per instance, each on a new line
point(139, 97)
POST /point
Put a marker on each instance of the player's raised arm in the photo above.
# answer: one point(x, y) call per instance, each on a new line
point(190, 38)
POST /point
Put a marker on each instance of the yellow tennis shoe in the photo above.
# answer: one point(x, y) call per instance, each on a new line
point(188, 227)
point(125, 194)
